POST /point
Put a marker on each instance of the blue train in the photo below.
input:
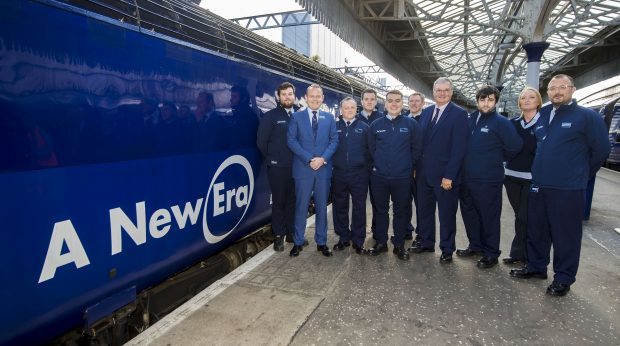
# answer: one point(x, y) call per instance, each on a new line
point(611, 115)
point(127, 150)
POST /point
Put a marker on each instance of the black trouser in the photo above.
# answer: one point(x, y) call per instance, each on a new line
point(282, 200)
point(397, 190)
point(517, 190)
point(413, 198)
point(355, 186)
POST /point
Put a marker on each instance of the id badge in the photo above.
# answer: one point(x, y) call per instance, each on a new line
point(534, 188)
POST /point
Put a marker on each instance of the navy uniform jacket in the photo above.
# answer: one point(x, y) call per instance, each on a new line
point(271, 137)
point(352, 154)
point(373, 116)
point(492, 141)
point(571, 149)
point(305, 147)
point(443, 146)
point(394, 146)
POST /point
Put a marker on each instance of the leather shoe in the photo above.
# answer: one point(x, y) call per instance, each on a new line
point(418, 248)
point(278, 244)
point(468, 252)
point(401, 252)
point(512, 260)
point(446, 257)
point(359, 249)
point(558, 289)
point(486, 262)
point(524, 273)
point(324, 250)
point(341, 245)
point(296, 250)
point(377, 249)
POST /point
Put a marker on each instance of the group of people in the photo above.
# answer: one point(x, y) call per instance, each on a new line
point(437, 158)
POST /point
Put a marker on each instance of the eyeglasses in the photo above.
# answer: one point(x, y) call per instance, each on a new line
point(561, 87)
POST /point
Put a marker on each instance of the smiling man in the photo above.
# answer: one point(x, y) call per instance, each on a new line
point(394, 144)
point(572, 146)
point(493, 140)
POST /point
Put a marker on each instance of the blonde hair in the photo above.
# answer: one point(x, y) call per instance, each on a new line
point(535, 91)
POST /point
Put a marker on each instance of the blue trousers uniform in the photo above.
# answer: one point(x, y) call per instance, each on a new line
point(282, 200)
point(517, 191)
point(398, 190)
point(555, 217)
point(481, 208)
point(431, 198)
point(355, 186)
point(303, 193)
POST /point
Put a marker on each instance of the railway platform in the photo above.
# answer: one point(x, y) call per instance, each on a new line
point(274, 299)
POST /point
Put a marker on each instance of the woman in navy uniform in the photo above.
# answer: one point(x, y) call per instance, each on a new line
point(519, 171)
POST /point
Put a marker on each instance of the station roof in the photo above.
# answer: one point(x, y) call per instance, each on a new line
point(473, 42)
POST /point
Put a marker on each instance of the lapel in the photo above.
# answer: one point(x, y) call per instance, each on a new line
point(304, 121)
point(323, 124)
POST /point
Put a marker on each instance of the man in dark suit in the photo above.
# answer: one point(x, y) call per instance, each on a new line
point(313, 139)
point(416, 103)
point(445, 133)
point(271, 141)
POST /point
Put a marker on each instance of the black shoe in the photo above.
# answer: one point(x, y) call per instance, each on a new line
point(324, 250)
point(377, 249)
point(486, 262)
point(408, 236)
point(401, 252)
point(512, 260)
point(418, 248)
point(524, 273)
point(558, 289)
point(278, 244)
point(296, 250)
point(468, 253)
point(359, 249)
point(446, 257)
point(341, 246)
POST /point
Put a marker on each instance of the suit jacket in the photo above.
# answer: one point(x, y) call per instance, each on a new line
point(304, 146)
point(443, 145)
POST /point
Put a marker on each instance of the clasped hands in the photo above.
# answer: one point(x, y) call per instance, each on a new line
point(316, 163)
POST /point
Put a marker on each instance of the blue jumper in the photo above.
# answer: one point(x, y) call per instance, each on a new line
point(395, 146)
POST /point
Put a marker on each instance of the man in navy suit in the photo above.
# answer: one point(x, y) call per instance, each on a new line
point(445, 133)
point(313, 139)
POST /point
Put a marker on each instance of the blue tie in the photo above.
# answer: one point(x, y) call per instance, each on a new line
point(434, 120)
point(315, 123)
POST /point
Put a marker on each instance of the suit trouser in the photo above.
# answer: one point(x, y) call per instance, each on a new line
point(517, 190)
point(555, 217)
point(282, 200)
point(446, 202)
point(398, 190)
point(413, 198)
point(481, 208)
point(303, 192)
point(354, 185)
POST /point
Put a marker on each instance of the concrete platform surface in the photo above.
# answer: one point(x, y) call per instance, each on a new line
point(355, 299)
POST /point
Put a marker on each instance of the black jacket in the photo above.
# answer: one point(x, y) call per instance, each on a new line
point(271, 137)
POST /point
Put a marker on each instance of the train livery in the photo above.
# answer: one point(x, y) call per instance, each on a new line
point(110, 180)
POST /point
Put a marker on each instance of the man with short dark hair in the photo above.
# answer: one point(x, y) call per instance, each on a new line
point(394, 144)
point(493, 140)
point(313, 139)
point(572, 146)
point(416, 102)
point(271, 141)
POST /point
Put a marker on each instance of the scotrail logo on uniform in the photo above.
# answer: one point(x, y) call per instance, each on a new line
point(224, 207)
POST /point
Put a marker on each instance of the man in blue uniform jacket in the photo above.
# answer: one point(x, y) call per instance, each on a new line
point(444, 128)
point(271, 141)
point(313, 139)
point(572, 146)
point(394, 143)
point(350, 178)
point(493, 140)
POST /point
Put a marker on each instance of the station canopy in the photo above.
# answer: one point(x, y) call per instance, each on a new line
point(473, 42)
